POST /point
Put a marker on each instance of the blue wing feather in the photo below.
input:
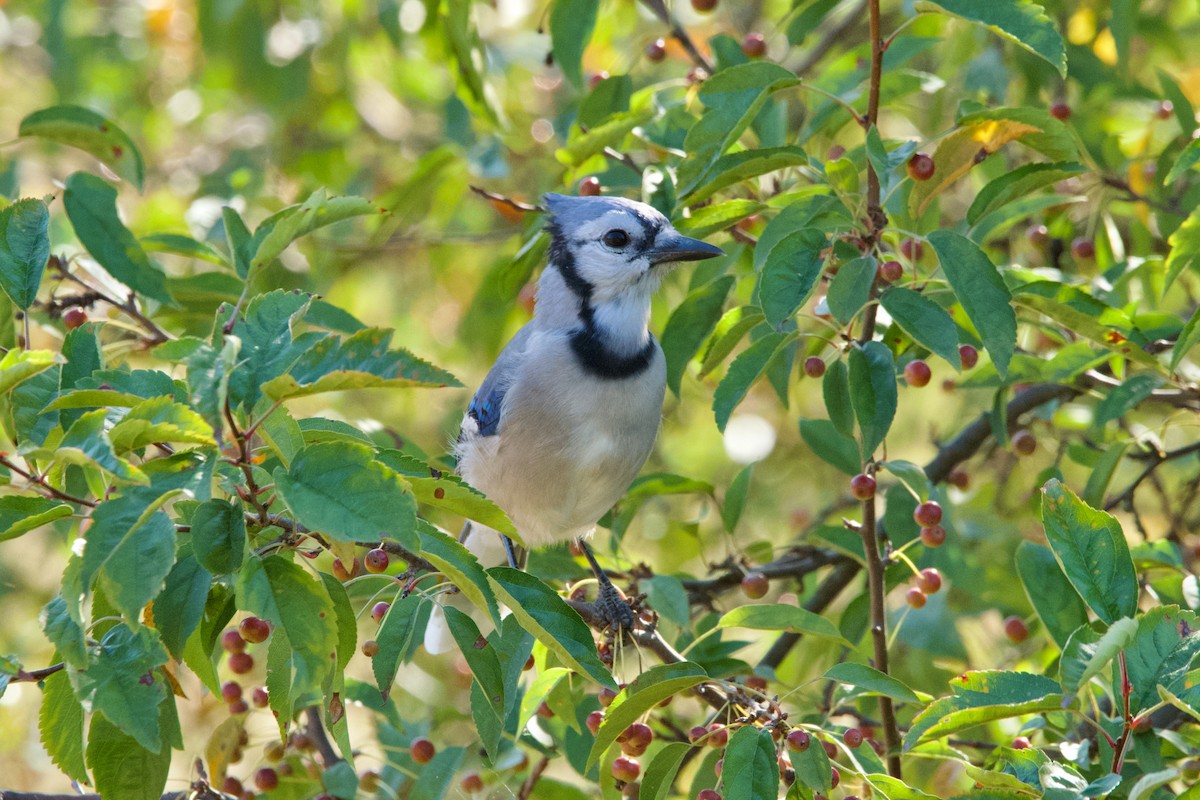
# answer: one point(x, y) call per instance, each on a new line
point(486, 406)
point(485, 410)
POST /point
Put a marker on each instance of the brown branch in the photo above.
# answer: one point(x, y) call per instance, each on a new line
point(797, 563)
point(659, 9)
point(38, 675)
point(534, 777)
point(243, 463)
point(833, 36)
point(156, 334)
point(512, 203)
point(1156, 459)
point(837, 580)
point(7, 795)
point(315, 728)
point(40, 481)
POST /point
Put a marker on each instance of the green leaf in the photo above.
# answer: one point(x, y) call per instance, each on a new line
point(1089, 650)
point(180, 605)
point(302, 615)
point(661, 771)
point(731, 329)
point(1058, 605)
point(219, 535)
point(18, 366)
point(709, 219)
point(790, 273)
point(1163, 653)
point(735, 498)
point(1124, 398)
point(1188, 338)
point(293, 222)
point(347, 622)
point(361, 361)
point(1102, 473)
point(911, 475)
point(130, 549)
point(872, 681)
point(734, 168)
point(872, 393)
point(642, 694)
point(398, 636)
point(266, 348)
point(178, 244)
point(91, 205)
point(747, 368)
point(339, 489)
point(1091, 550)
point(456, 495)
point(609, 134)
point(1185, 112)
point(609, 96)
point(781, 617)
point(88, 131)
point(690, 324)
point(656, 484)
point(1185, 248)
point(21, 514)
point(1086, 316)
point(813, 768)
point(984, 696)
point(24, 249)
point(1145, 786)
point(982, 292)
point(122, 767)
point(851, 287)
point(480, 657)
point(835, 390)
point(831, 445)
point(160, 420)
point(1022, 22)
point(114, 683)
point(60, 723)
point(751, 769)
point(571, 26)
point(460, 566)
point(961, 151)
point(925, 321)
point(554, 623)
point(1019, 183)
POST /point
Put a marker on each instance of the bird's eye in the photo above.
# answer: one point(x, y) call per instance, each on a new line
point(616, 239)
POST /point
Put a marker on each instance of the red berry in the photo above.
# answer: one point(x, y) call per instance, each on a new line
point(798, 741)
point(254, 630)
point(891, 271)
point(1083, 248)
point(862, 486)
point(233, 642)
point(697, 733)
point(657, 50)
point(754, 45)
point(597, 79)
point(259, 697)
point(968, 355)
point(379, 610)
point(74, 318)
point(930, 580)
point(835, 778)
point(835, 152)
point(814, 366)
point(933, 536)
point(1060, 110)
point(959, 479)
point(704, 5)
point(606, 696)
point(917, 373)
point(241, 663)
point(830, 749)
point(1020, 743)
point(912, 249)
point(593, 721)
point(928, 514)
point(853, 737)
point(635, 739)
point(709, 794)
point(544, 711)
point(717, 766)
point(920, 167)
point(529, 662)
point(422, 750)
point(718, 735)
point(238, 707)
point(1016, 629)
point(1165, 110)
point(471, 782)
point(755, 585)
point(370, 648)
point(915, 598)
point(232, 786)
point(1024, 442)
point(266, 779)
point(342, 573)
point(231, 691)
point(589, 186)
point(376, 560)
point(626, 769)
point(1038, 235)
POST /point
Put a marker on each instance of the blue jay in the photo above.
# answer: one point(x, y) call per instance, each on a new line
point(568, 414)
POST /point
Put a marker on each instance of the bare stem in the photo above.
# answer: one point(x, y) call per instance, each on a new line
point(659, 9)
point(41, 483)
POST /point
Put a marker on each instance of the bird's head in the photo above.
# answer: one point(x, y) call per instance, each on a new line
point(606, 245)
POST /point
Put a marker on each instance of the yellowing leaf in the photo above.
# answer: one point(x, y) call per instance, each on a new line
point(960, 151)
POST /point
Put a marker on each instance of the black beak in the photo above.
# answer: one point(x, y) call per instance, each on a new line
point(676, 247)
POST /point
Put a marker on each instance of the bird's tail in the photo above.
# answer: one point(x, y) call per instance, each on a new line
point(487, 546)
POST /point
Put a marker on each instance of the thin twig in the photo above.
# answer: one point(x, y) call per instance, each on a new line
point(535, 775)
point(659, 9)
point(512, 203)
point(37, 675)
point(315, 728)
point(1156, 460)
point(836, 581)
point(40, 481)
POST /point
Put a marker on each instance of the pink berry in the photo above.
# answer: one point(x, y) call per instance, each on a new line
point(928, 514)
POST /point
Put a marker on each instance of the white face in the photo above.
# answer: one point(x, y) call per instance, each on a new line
point(612, 253)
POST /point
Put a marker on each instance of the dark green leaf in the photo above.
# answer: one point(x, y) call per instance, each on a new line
point(1091, 549)
point(460, 566)
point(610, 96)
point(60, 721)
point(91, 205)
point(925, 321)
point(666, 595)
point(1102, 473)
point(984, 696)
point(661, 771)
point(1057, 604)
point(813, 768)
point(571, 26)
point(1124, 398)
point(347, 622)
point(241, 243)
point(480, 657)
point(735, 498)
point(791, 273)
point(130, 549)
point(1185, 112)
point(736, 167)
point(911, 475)
point(219, 535)
point(872, 681)
point(122, 767)
point(179, 608)
point(642, 694)
point(747, 368)
point(398, 636)
point(1020, 21)
point(1163, 653)
point(24, 249)
point(90, 132)
point(835, 389)
point(20, 514)
point(690, 324)
point(751, 770)
point(982, 292)
point(731, 329)
point(781, 617)
point(180, 245)
point(872, 393)
point(799, 214)
point(1019, 183)
point(119, 683)
point(266, 348)
point(831, 445)
point(851, 287)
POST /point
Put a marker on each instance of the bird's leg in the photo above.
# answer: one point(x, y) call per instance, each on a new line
point(510, 551)
point(609, 603)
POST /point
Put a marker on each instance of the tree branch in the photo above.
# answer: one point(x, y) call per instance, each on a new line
point(837, 580)
point(659, 9)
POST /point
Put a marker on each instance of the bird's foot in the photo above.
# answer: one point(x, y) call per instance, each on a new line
point(613, 608)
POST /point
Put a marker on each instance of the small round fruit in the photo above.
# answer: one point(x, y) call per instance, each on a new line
point(422, 750)
point(1024, 442)
point(933, 536)
point(891, 271)
point(376, 560)
point(835, 152)
point(862, 486)
point(831, 750)
point(74, 318)
point(472, 782)
point(928, 514)
point(912, 249)
point(1020, 743)
point(1083, 248)
point(238, 707)
point(755, 585)
point(233, 642)
point(275, 751)
point(529, 662)
point(917, 373)
point(1165, 110)
point(814, 366)
point(717, 766)
point(853, 737)
point(835, 778)
point(920, 167)
point(915, 598)
point(593, 721)
point(241, 663)
point(606, 696)
point(597, 79)
point(379, 610)
point(968, 355)
point(959, 479)
point(638, 733)
point(368, 781)
point(342, 573)
point(370, 648)
point(697, 733)
point(266, 779)
point(798, 741)
point(231, 691)
point(1038, 235)
point(589, 186)
point(754, 45)
point(656, 51)
point(709, 794)
point(1060, 110)
point(930, 580)
point(259, 698)
point(254, 629)
point(704, 5)
point(625, 768)
point(1016, 629)
point(232, 786)
point(544, 711)
point(718, 735)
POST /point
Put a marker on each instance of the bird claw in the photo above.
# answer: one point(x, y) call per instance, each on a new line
point(614, 609)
